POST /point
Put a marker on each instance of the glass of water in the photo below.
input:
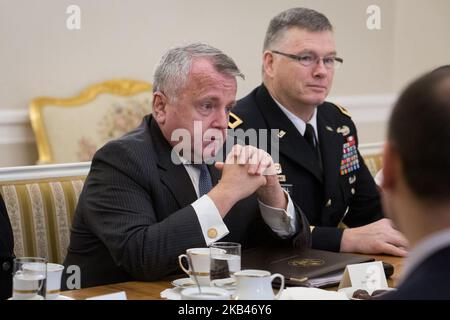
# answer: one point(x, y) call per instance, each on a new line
point(225, 261)
point(29, 278)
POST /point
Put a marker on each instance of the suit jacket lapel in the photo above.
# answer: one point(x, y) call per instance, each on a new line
point(292, 143)
point(174, 176)
point(331, 148)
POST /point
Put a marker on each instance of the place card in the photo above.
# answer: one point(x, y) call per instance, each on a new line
point(369, 275)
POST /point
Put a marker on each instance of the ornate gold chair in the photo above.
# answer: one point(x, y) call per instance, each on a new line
point(41, 201)
point(374, 163)
point(72, 129)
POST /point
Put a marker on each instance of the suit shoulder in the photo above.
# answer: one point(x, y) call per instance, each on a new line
point(332, 106)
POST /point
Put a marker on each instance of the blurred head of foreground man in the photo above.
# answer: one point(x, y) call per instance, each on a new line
point(142, 204)
point(320, 164)
point(416, 184)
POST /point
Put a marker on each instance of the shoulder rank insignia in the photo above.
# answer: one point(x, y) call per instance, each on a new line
point(342, 110)
point(234, 121)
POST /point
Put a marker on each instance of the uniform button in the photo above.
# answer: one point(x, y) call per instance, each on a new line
point(6, 266)
point(328, 204)
point(212, 233)
point(352, 190)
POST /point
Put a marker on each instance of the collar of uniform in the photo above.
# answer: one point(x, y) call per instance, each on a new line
point(299, 123)
point(425, 249)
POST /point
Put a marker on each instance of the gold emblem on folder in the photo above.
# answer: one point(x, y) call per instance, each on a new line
point(306, 262)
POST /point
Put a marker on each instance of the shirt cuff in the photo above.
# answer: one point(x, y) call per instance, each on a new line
point(211, 223)
point(282, 222)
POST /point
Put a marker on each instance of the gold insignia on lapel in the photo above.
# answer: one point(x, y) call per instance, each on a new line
point(281, 134)
point(278, 168)
point(352, 179)
point(281, 178)
point(344, 130)
point(329, 128)
point(234, 121)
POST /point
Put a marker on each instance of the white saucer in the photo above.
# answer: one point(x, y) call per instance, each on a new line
point(228, 283)
point(37, 297)
point(183, 282)
point(61, 297)
point(350, 290)
point(171, 293)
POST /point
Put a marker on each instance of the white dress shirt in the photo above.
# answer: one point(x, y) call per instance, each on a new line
point(282, 222)
point(299, 123)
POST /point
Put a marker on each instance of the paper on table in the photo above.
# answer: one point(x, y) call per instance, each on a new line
point(301, 293)
point(112, 296)
point(327, 280)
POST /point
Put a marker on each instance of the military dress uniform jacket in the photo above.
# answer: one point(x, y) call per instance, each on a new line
point(343, 190)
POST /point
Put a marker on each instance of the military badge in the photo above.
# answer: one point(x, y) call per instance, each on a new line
point(350, 160)
point(281, 134)
point(344, 130)
point(278, 168)
point(234, 121)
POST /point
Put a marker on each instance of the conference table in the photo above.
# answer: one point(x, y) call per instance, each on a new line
point(139, 290)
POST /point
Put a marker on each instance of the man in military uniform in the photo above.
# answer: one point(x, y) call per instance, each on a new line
point(320, 165)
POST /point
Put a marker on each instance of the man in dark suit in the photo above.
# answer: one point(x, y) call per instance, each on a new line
point(416, 184)
point(146, 199)
point(319, 161)
point(6, 252)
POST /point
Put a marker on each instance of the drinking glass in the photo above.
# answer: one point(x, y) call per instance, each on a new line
point(225, 261)
point(29, 278)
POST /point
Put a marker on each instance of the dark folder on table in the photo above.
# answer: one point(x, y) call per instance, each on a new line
point(307, 267)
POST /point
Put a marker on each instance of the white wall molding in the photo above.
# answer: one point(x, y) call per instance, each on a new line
point(44, 171)
point(370, 148)
point(15, 127)
point(15, 124)
point(367, 108)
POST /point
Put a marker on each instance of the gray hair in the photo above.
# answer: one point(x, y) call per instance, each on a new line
point(301, 18)
point(172, 71)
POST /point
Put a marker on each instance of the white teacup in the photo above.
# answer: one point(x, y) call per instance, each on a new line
point(207, 293)
point(54, 273)
point(256, 285)
point(200, 261)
